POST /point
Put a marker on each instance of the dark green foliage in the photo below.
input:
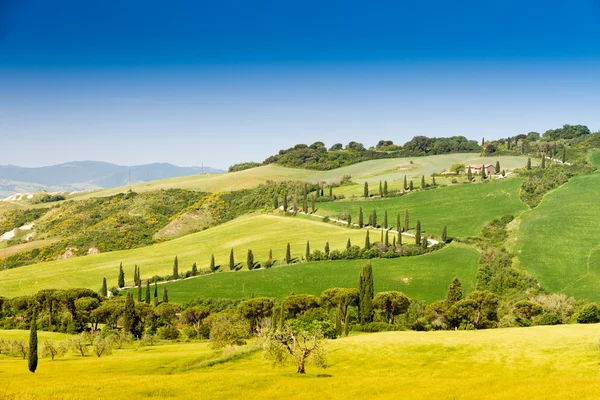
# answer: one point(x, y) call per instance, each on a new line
point(270, 261)
point(104, 290)
point(139, 293)
point(349, 220)
point(327, 248)
point(418, 233)
point(478, 311)
point(411, 186)
point(165, 295)
point(444, 234)
point(288, 254)
point(194, 269)
point(470, 173)
point(155, 294)
point(256, 310)
point(366, 293)
point(243, 166)
point(374, 218)
point(176, 268)
point(497, 167)
point(275, 203)
point(17, 218)
point(405, 184)
point(312, 204)
point(385, 189)
point(129, 315)
point(406, 225)
point(454, 293)
point(380, 189)
point(422, 181)
point(564, 155)
point(496, 273)
point(528, 164)
point(385, 220)
point(483, 174)
point(285, 202)
point(567, 132)
point(231, 260)
point(387, 238)
point(147, 299)
point(33, 344)
point(212, 266)
point(348, 245)
point(398, 225)
point(250, 260)
point(367, 241)
point(589, 314)
point(361, 221)
point(543, 161)
point(399, 237)
point(307, 253)
point(433, 180)
point(366, 190)
point(391, 304)
point(121, 280)
point(330, 192)
point(424, 242)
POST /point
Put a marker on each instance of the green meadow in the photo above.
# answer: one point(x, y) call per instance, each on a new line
point(421, 277)
point(463, 208)
point(545, 362)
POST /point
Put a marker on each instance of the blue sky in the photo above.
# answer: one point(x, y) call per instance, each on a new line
point(197, 82)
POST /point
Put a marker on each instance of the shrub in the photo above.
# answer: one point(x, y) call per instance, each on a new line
point(167, 333)
point(548, 319)
point(589, 314)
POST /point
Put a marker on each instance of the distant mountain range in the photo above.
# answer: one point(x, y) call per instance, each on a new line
point(87, 175)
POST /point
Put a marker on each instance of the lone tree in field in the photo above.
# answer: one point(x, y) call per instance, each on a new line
point(367, 241)
point(385, 189)
point(212, 266)
point(33, 344)
point(454, 293)
point(349, 220)
point(361, 221)
point(418, 233)
point(444, 234)
point(176, 268)
point(405, 184)
point(250, 260)
point(288, 254)
point(299, 342)
point(269, 262)
point(497, 167)
point(121, 280)
point(529, 164)
point(366, 190)
point(147, 291)
point(433, 180)
point(104, 290)
point(365, 293)
point(307, 254)
point(231, 260)
point(165, 295)
point(422, 181)
point(194, 269)
point(424, 242)
point(406, 221)
point(380, 189)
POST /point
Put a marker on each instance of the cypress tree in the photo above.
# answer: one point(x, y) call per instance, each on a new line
point(405, 184)
point(454, 292)
point(374, 221)
point(385, 220)
point(330, 192)
point(398, 226)
point(135, 275)
point(165, 295)
point(288, 254)
point(366, 190)
point(381, 239)
point(385, 189)
point(482, 141)
point(400, 238)
point(422, 181)
point(295, 203)
point(406, 226)
point(194, 269)
point(497, 167)
point(387, 238)
point(276, 203)
point(104, 290)
point(361, 221)
point(424, 242)
point(418, 233)
point(444, 234)
point(129, 314)
point(327, 249)
point(121, 277)
point(365, 293)
point(212, 267)
point(250, 260)
point(270, 262)
point(544, 161)
point(348, 244)
point(508, 144)
point(231, 260)
point(155, 294)
point(564, 155)
point(433, 180)
point(312, 203)
point(347, 323)
point(367, 241)
point(349, 220)
point(469, 174)
point(411, 187)
point(139, 293)
point(394, 241)
point(285, 202)
point(304, 206)
point(176, 268)
point(307, 254)
point(147, 291)
point(322, 191)
point(33, 343)
point(528, 164)
point(483, 174)
point(380, 189)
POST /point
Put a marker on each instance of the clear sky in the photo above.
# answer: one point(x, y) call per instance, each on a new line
point(219, 82)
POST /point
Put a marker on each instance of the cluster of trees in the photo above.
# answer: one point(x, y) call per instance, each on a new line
point(243, 166)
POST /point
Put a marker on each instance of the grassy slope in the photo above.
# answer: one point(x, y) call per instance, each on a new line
point(559, 240)
point(259, 233)
point(423, 277)
point(551, 362)
point(463, 208)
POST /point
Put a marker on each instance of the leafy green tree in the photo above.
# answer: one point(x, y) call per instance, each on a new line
point(529, 164)
point(194, 316)
point(422, 181)
point(454, 293)
point(231, 260)
point(250, 260)
point(497, 167)
point(104, 290)
point(391, 304)
point(212, 266)
point(365, 293)
point(366, 190)
point(255, 311)
point(385, 189)
point(367, 241)
point(165, 295)
point(147, 291)
point(288, 254)
point(406, 225)
point(175, 268)
point(418, 233)
point(361, 221)
point(307, 253)
point(194, 269)
point(33, 344)
point(121, 277)
point(444, 234)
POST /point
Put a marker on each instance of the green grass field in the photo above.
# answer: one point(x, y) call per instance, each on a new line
point(559, 240)
point(257, 232)
point(422, 277)
point(463, 208)
point(550, 362)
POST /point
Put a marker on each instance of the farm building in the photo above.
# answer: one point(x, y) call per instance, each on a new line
point(489, 168)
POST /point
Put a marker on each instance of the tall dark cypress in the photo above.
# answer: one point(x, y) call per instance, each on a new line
point(380, 189)
point(433, 180)
point(418, 233)
point(104, 290)
point(288, 254)
point(543, 160)
point(307, 253)
point(528, 164)
point(155, 294)
point(250, 260)
point(497, 167)
point(176, 268)
point(483, 174)
point(385, 220)
point(276, 203)
point(444, 234)
point(366, 190)
point(147, 291)
point(121, 277)
point(424, 242)
point(135, 275)
point(411, 186)
point(400, 238)
point(387, 238)
point(374, 221)
point(385, 189)
point(454, 292)
point(406, 226)
point(165, 295)
point(361, 221)
point(139, 293)
point(367, 241)
point(469, 174)
point(212, 266)
point(231, 260)
point(33, 343)
point(366, 293)
point(330, 192)
point(285, 202)
point(405, 184)
point(129, 314)
point(348, 244)
point(194, 269)
point(398, 226)
point(422, 181)
point(327, 249)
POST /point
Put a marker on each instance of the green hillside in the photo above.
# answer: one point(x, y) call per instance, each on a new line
point(559, 240)
point(546, 362)
point(422, 277)
point(463, 208)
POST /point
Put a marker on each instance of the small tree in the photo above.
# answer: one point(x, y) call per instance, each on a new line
point(398, 226)
point(121, 281)
point(276, 203)
point(193, 316)
point(349, 220)
point(250, 260)
point(543, 160)
point(52, 349)
point(367, 241)
point(212, 266)
point(405, 184)
point(374, 218)
point(433, 180)
point(411, 186)
point(327, 250)
point(469, 174)
point(424, 242)
point(285, 202)
point(269, 262)
point(444, 234)
point(330, 192)
point(365, 293)
point(231, 260)
point(406, 226)
point(104, 290)
point(497, 167)
point(387, 238)
point(307, 253)
point(380, 189)
point(101, 346)
point(483, 174)
point(147, 291)
point(348, 244)
point(165, 295)
point(454, 293)
point(529, 164)
point(391, 304)
point(78, 345)
point(33, 344)
point(366, 190)
point(288, 254)
point(312, 204)
point(194, 269)
point(155, 301)
point(385, 189)
point(422, 181)
point(418, 233)
point(129, 315)
point(176, 268)
point(361, 221)
point(385, 220)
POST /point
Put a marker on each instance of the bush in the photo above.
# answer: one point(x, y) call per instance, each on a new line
point(589, 314)
point(548, 319)
point(375, 327)
point(167, 333)
point(421, 325)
